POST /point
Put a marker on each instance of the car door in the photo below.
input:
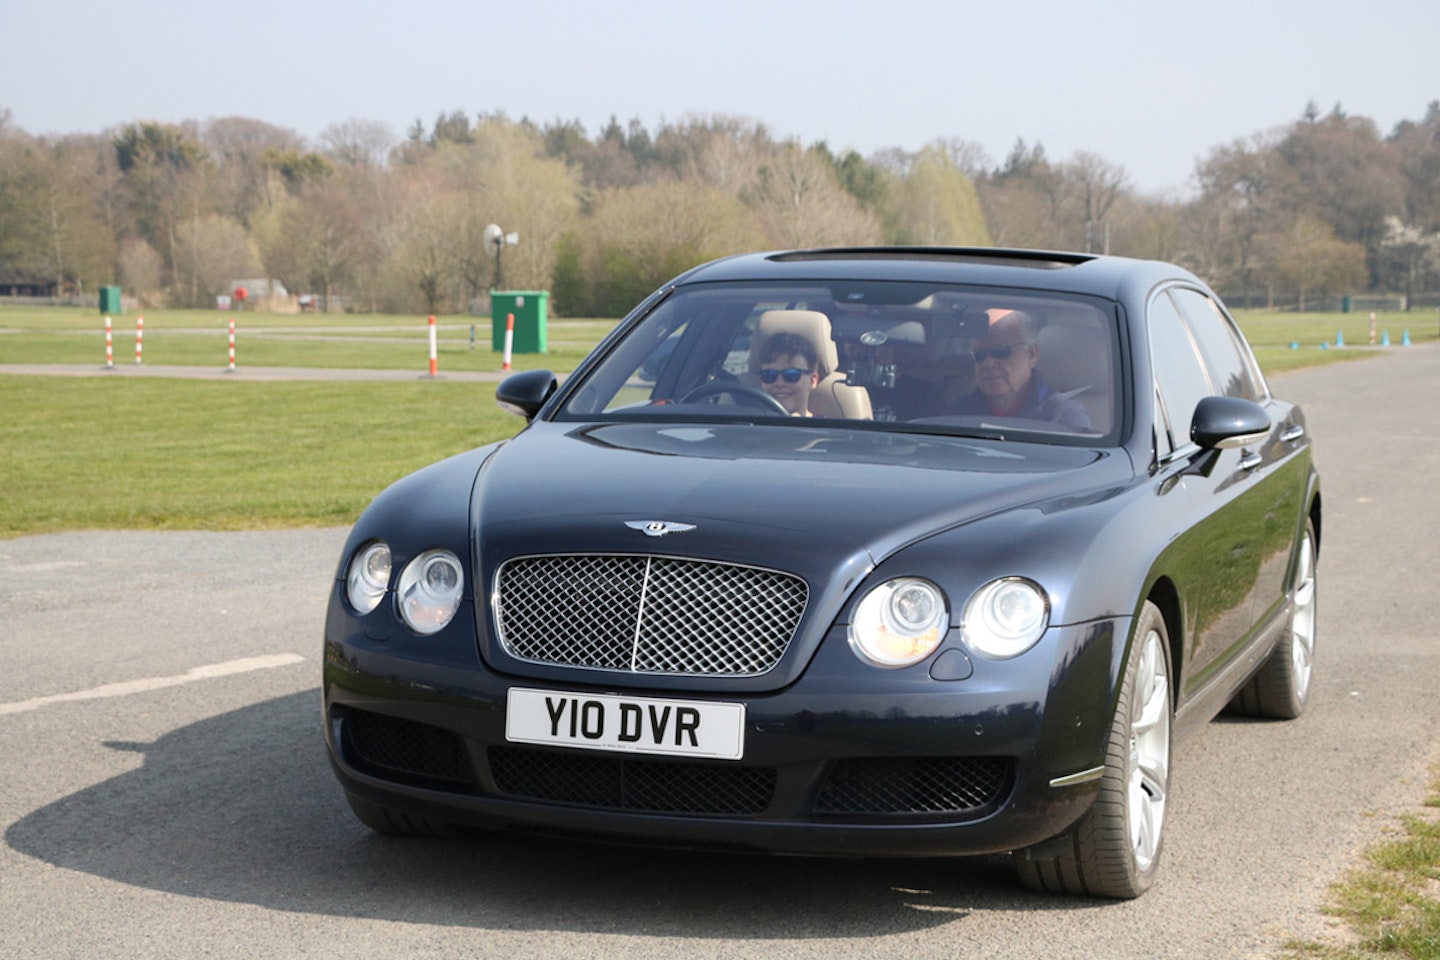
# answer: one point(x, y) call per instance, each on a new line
point(1218, 555)
point(1276, 468)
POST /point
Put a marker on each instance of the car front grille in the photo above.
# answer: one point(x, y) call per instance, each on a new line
point(641, 614)
point(924, 785)
point(618, 783)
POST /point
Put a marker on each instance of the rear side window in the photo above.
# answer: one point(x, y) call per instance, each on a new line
point(1228, 360)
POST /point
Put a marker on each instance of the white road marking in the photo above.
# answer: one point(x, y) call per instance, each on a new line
point(128, 687)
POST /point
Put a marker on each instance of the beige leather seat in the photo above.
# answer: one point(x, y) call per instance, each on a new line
point(832, 396)
point(1075, 360)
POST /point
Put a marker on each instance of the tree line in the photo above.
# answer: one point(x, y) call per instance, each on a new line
point(1297, 215)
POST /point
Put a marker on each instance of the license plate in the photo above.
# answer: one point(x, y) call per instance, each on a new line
point(680, 728)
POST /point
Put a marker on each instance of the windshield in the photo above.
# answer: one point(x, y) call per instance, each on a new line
point(892, 355)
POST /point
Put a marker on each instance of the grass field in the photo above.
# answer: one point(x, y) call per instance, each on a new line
point(152, 453)
point(133, 452)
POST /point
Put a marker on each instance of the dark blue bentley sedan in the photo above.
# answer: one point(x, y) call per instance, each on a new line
point(888, 551)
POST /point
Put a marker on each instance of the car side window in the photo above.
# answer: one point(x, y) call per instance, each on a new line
point(1179, 374)
point(1225, 355)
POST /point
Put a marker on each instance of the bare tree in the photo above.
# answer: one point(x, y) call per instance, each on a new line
point(163, 168)
point(1099, 184)
point(239, 148)
point(1240, 196)
point(359, 143)
point(1309, 259)
point(936, 203)
point(213, 252)
point(50, 226)
point(801, 203)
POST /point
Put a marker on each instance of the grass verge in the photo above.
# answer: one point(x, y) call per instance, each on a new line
point(1390, 904)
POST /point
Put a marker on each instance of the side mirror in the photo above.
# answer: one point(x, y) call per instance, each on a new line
point(1223, 423)
point(525, 393)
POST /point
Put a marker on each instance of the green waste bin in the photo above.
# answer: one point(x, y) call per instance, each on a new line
point(109, 299)
point(529, 308)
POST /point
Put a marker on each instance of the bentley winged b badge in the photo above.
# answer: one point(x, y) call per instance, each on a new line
point(658, 528)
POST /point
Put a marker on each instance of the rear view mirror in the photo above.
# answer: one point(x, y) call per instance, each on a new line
point(1223, 423)
point(526, 392)
point(971, 323)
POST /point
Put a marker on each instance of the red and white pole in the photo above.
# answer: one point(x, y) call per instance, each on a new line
point(139, 338)
point(434, 354)
point(509, 339)
point(232, 347)
point(109, 346)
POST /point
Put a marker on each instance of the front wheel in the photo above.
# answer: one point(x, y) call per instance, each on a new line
point(1114, 851)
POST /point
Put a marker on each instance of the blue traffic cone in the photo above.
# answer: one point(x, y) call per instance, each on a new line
point(1405, 340)
point(1385, 339)
point(1339, 338)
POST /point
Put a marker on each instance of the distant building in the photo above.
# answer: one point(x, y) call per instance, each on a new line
point(18, 285)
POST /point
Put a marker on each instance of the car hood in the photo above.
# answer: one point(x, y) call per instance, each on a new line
point(811, 500)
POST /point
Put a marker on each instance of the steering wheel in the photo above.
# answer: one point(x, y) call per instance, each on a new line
point(742, 392)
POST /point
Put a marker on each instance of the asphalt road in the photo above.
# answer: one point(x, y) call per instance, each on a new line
point(164, 790)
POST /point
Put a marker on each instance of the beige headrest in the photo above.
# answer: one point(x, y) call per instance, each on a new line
point(810, 324)
point(1072, 357)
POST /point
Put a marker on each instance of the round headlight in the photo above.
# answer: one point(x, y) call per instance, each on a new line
point(1005, 618)
point(368, 576)
point(430, 589)
point(899, 623)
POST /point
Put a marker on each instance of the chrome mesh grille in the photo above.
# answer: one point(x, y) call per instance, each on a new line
point(643, 614)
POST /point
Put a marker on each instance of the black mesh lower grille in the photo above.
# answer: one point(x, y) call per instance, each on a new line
point(404, 746)
point(925, 785)
point(623, 784)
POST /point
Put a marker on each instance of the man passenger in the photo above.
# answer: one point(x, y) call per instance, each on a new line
point(1006, 384)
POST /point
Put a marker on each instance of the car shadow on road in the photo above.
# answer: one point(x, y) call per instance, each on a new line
point(242, 807)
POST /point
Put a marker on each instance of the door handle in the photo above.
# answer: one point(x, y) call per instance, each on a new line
point(1292, 433)
point(1249, 461)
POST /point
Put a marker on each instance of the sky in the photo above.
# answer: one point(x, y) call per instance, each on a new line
point(1150, 86)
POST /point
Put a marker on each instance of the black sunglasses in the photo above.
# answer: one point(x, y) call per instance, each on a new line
point(791, 374)
point(1001, 352)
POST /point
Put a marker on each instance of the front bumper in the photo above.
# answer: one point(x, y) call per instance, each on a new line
point(847, 760)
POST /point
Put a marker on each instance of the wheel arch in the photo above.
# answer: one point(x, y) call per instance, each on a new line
point(1167, 599)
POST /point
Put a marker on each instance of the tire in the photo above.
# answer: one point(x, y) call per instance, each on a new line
point(1114, 851)
point(397, 822)
point(1281, 687)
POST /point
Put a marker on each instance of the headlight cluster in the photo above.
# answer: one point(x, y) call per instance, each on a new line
point(1005, 618)
point(369, 577)
point(903, 621)
point(428, 592)
point(899, 623)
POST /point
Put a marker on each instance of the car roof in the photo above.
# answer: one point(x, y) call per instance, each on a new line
point(1119, 278)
